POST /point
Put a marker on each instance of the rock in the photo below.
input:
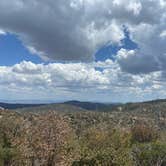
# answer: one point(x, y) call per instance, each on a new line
point(1, 108)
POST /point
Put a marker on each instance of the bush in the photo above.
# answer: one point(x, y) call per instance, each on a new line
point(144, 133)
point(153, 154)
point(7, 155)
point(36, 139)
point(99, 146)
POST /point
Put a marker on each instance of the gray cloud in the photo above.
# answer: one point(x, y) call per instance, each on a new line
point(58, 29)
point(135, 62)
point(73, 30)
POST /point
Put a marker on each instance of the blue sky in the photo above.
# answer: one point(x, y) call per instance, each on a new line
point(12, 51)
point(106, 51)
point(110, 51)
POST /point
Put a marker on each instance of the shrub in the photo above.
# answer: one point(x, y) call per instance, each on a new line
point(144, 133)
point(99, 146)
point(46, 140)
point(153, 154)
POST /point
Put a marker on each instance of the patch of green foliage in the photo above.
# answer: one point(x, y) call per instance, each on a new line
point(151, 154)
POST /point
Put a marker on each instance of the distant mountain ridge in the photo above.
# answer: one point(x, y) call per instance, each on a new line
point(15, 105)
point(87, 106)
point(91, 105)
point(52, 107)
point(83, 105)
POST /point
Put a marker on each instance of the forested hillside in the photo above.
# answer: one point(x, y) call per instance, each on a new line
point(132, 134)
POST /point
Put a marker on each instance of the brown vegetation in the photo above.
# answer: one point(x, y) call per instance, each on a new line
point(82, 138)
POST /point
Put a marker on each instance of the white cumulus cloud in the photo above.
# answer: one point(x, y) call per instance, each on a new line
point(78, 81)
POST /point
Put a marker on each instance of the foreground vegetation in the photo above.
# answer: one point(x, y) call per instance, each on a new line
point(82, 139)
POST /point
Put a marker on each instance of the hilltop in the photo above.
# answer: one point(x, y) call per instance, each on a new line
point(122, 115)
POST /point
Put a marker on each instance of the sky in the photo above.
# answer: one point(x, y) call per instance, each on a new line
point(88, 50)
